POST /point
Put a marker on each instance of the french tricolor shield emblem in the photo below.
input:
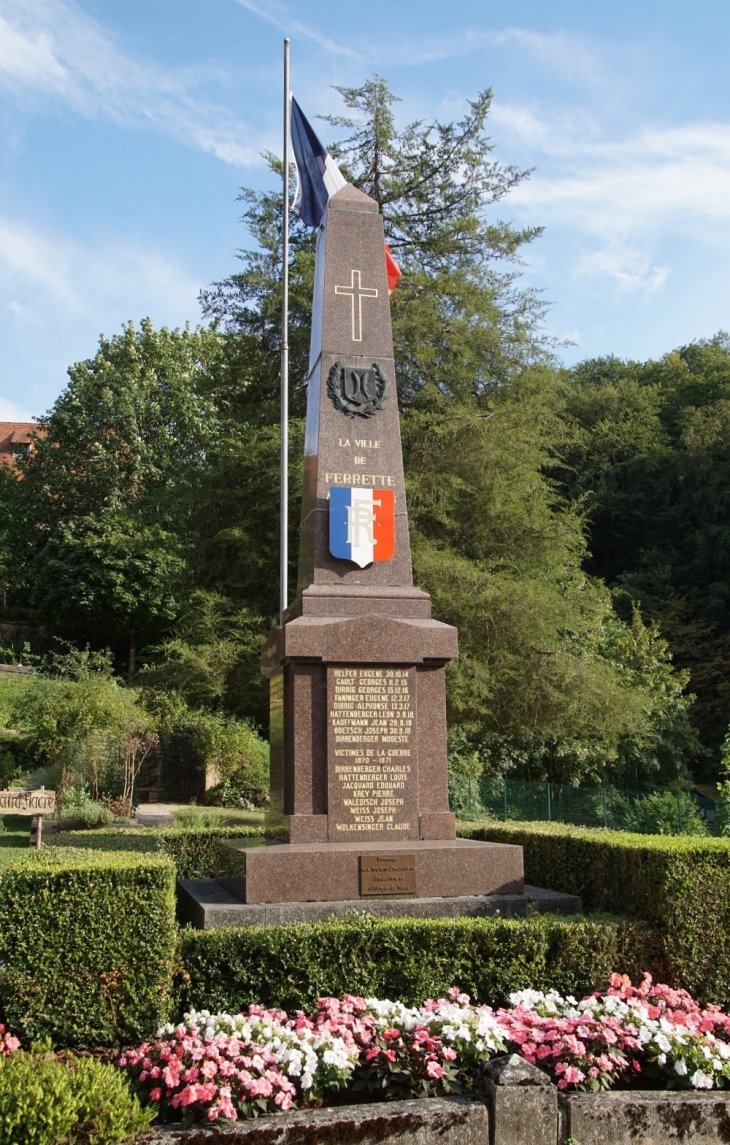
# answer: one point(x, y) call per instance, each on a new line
point(362, 524)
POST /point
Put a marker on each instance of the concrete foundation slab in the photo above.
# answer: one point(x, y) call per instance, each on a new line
point(209, 904)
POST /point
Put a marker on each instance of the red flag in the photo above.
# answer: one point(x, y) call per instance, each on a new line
point(394, 271)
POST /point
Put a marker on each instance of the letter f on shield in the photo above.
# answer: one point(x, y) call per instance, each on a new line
point(362, 524)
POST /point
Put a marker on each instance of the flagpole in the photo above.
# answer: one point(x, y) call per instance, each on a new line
point(284, 506)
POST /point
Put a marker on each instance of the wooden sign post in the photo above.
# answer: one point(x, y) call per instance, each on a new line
point(17, 801)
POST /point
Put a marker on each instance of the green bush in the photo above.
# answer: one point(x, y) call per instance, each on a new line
point(44, 1101)
point(676, 883)
point(78, 805)
point(410, 959)
point(665, 813)
point(195, 851)
point(86, 946)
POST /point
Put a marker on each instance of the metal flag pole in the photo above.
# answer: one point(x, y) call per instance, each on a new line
point(284, 507)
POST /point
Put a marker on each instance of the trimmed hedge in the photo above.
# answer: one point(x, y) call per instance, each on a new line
point(679, 884)
point(194, 849)
point(410, 959)
point(87, 944)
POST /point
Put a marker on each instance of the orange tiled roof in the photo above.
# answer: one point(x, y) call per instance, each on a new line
point(14, 436)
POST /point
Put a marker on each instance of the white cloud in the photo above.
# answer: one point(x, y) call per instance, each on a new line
point(9, 411)
point(59, 296)
point(629, 269)
point(40, 270)
point(622, 198)
point(52, 48)
point(569, 55)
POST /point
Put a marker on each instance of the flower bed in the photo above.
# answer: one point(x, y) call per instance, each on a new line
point(221, 1066)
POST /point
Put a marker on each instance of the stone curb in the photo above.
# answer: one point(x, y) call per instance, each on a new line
point(515, 1103)
point(433, 1121)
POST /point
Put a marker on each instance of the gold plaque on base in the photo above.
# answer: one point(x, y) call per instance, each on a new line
point(387, 874)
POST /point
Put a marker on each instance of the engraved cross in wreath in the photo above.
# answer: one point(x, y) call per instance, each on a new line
point(357, 390)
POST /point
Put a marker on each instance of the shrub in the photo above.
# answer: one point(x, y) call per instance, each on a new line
point(664, 813)
point(411, 959)
point(86, 945)
point(44, 1101)
point(78, 805)
point(229, 749)
point(678, 884)
point(196, 852)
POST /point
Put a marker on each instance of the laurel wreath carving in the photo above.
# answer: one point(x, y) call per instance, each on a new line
point(335, 380)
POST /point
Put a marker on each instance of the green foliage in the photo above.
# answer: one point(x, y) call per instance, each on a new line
point(86, 946)
point(108, 569)
point(649, 459)
point(61, 713)
point(231, 752)
point(409, 959)
point(723, 802)
point(459, 319)
point(194, 850)
point(549, 684)
point(85, 728)
point(99, 523)
point(37, 1104)
point(44, 1101)
point(679, 885)
point(665, 813)
point(78, 804)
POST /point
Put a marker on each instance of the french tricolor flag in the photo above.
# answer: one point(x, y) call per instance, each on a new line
point(318, 176)
point(318, 179)
point(362, 524)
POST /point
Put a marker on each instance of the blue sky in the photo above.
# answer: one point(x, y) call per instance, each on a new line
point(128, 125)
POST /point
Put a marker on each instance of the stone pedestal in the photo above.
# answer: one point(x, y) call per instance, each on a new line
point(359, 758)
point(358, 718)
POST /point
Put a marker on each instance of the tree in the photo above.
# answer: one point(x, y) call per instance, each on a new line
point(102, 514)
point(648, 456)
point(109, 574)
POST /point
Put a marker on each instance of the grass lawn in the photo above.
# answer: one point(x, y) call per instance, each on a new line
point(14, 838)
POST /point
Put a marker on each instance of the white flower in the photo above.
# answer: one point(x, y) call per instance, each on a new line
point(680, 1067)
point(700, 1080)
point(663, 1042)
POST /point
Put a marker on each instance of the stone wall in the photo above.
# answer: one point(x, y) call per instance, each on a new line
point(516, 1104)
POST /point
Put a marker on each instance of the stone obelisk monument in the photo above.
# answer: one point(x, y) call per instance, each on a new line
point(359, 800)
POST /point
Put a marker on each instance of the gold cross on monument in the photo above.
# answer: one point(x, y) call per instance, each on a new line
point(357, 292)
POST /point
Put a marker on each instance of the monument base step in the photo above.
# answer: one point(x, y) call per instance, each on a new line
point(340, 872)
point(209, 904)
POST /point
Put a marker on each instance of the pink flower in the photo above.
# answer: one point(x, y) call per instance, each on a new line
point(155, 1094)
point(186, 1096)
point(434, 1070)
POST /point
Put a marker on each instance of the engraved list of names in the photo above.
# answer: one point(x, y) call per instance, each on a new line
point(372, 780)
